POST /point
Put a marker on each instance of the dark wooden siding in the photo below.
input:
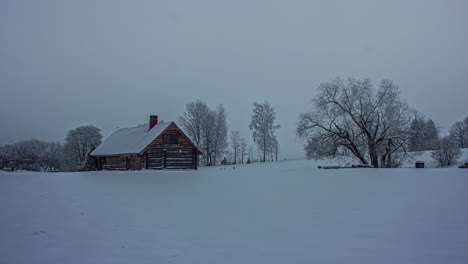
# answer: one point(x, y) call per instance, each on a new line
point(133, 162)
point(113, 163)
point(120, 162)
point(171, 156)
point(153, 156)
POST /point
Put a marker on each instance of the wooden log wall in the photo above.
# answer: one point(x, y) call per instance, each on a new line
point(153, 156)
point(171, 156)
point(114, 163)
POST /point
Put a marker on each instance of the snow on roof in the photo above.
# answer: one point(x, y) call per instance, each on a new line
point(130, 140)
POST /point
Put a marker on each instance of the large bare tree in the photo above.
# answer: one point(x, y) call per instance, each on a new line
point(350, 116)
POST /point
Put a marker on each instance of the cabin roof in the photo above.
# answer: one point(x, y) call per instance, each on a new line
point(132, 140)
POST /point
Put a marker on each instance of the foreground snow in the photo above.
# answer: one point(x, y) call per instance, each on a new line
point(286, 212)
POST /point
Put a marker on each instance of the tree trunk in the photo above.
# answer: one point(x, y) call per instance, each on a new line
point(374, 157)
point(264, 149)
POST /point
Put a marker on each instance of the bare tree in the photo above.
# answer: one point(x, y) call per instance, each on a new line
point(275, 148)
point(424, 135)
point(235, 143)
point(250, 155)
point(446, 153)
point(4, 157)
point(79, 142)
point(35, 155)
point(207, 128)
point(52, 157)
point(192, 120)
point(350, 116)
point(459, 132)
point(208, 136)
point(243, 149)
point(220, 135)
point(263, 126)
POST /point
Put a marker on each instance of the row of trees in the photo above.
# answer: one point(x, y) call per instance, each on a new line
point(459, 133)
point(37, 155)
point(208, 128)
point(351, 117)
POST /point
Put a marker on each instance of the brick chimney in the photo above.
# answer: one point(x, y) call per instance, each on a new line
point(153, 121)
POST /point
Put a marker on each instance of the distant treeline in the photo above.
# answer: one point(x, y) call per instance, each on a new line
point(37, 155)
point(348, 118)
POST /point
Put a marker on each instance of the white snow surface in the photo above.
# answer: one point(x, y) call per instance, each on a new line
point(130, 140)
point(285, 212)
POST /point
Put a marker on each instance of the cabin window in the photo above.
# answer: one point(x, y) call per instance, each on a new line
point(171, 139)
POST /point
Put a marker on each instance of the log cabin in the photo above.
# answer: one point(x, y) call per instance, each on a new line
point(159, 145)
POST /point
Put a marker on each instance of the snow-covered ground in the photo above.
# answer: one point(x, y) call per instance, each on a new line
point(285, 212)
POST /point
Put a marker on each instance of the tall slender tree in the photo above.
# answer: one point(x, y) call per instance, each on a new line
point(263, 126)
point(235, 143)
point(220, 136)
point(243, 149)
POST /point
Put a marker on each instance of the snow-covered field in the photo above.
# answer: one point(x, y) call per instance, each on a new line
point(286, 212)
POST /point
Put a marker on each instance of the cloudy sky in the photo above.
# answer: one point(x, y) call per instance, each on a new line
point(112, 63)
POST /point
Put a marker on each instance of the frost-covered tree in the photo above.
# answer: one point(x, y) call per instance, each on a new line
point(207, 128)
point(52, 157)
point(28, 154)
point(243, 149)
point(32, 155)
point(235, 139)
point(263, 127)
point(350, 116)
point(275, 148)
point(192, 120)
point(208, 135)
point(250, 154)
point(4, 157)
point(446, 153)
point(79, 143)
point(459, 133)
point(220, 135)
point(424, 135)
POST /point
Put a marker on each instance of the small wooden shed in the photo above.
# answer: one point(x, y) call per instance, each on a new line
point(155, 146)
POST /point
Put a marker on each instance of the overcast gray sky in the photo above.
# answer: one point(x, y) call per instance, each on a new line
point(113, 63)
